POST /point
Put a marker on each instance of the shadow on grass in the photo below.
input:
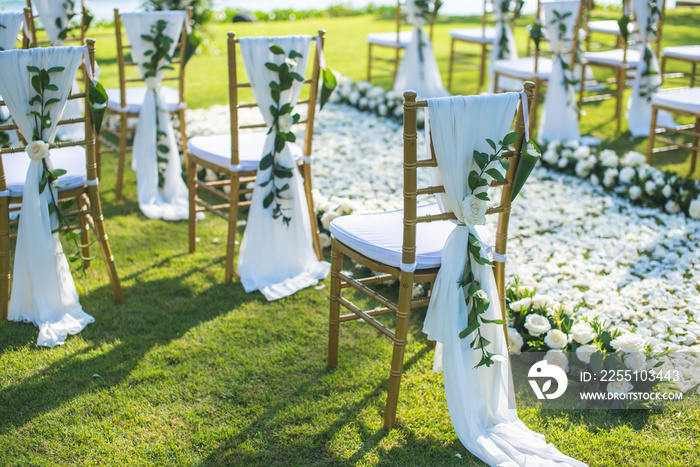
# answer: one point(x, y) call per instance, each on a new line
point(155, 313)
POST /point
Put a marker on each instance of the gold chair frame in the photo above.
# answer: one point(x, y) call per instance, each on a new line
point(589, 33)
point(694, 73)
point(121, 147)
point(29, 17)
point(655, 133)
point(88, 212)
point(464, 58)
point(406, 302)
point(619, 71)
point(238, 179)
point(397, 47)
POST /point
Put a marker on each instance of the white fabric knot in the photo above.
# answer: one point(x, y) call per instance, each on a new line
point(473, 210)
point(558, 48)
point(152, 83)
point(37, 150)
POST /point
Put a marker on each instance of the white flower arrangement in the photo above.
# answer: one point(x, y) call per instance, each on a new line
point(375, 99)
point(628, 176)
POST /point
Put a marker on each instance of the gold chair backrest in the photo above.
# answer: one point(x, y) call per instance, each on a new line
point(88, 142)
point(30, 18)
point(575, 38)
point(400, 15)
point(411, 190)
point(125, 62)
point(235, 105)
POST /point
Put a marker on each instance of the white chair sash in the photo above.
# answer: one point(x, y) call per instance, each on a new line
point(275, 258)
point(559, 120)
point(477, 398)
point(43, 291)
point(171, 201)
point(418, 69)
point(508, 52)
point(11, 24)
point(639, 106)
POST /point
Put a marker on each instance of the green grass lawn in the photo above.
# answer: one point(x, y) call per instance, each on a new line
point(191, 371)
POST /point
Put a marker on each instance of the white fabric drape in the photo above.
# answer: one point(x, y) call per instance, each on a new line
point(638, 106)
point(275, 258)
point(43, 291)
point(508, 52)
point(171, 201)
point(418, 69)
point(477, 398)
point(12, 23)
point(559, 120)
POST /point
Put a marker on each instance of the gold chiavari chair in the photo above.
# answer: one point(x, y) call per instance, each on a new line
point(689, 54)
point(33, 29)
point(80, 184)
point(620, 62)
point(237, 156)
point(125, 101)
point(415, 222)
point(394, 41)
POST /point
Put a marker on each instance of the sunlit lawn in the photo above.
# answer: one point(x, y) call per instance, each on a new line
point(191, 371)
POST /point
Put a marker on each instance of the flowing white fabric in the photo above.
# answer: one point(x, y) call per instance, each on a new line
point(418, 69)
point(639, 106)
point(171, 201)
point(43, 291)
point(507, 52)
point(477, 398)
point(559, 120)
point(11, 22)
point(275, 258)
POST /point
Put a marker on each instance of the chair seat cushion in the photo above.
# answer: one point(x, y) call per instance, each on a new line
point(524, 68)
point(388, 39)
point(379, 236)
point(608, 26)
point(687, 52)
point(477, 35)
point(685, 99)
point(613, 57)
point(135, 96)
point(71, 159)
point(217, 150)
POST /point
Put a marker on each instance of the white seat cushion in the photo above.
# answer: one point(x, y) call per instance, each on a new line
point(685, 99)
point(388, 39)
point(613, 57)
point(217, 150)
point(135, 96)
point(478, 35)
point(379, 236)
point(687, 52)
point(608, 26)
point(71, 159)
point(524, 68)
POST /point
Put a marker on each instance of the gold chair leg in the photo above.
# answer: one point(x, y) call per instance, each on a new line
point(183, 135)
point(334, 317)
point(5, 246)
point(396, 65)
point(122, 156)
point(582, 86)
point(306, 172)
point(621, 76)
point(84, 231)
point(692, 74)
point(400, 337)
point(369, 62)
point(452, 61)
point(652, 136)
point(232, 226)
point(98, 156)
point(482, 68)
point(103, 240)
point(696, 140)
point(192, 219)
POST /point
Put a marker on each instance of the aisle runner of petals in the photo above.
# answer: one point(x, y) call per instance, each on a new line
point(579, 246)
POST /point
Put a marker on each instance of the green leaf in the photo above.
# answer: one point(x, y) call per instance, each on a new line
point(55, 173)
point(471, 327)
point(266, 162)
point(72, 235)
point(55, 69)
point(511, 138)
point(481, 159)
point(294, 54)
point(491, 143)
point(283, 173)
point(505, 163)
point(296, 76)
point(53, 100)
point(271, 66)
point(473, 288)
point(51, 87)
point(473, 180)
point(163, 149)
point(277, 50)
point(329, 84)
point(97, 100)
point(33, 69)
point(483, 196)
point(147, 38)
point(36, 83)
point(268, 200)
point(496, 174)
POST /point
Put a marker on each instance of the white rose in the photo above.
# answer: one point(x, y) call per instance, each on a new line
point(632, 159)
point(521, 304)
point(541, 300)
point(558, 358)
point(619, 387)
point(642, 171)
point(610, 177)
point(37, 150)
point(285, 122)
point(666, 191)
point(324, 240)
point(474, 210)
point(628, 342)
point(328, 217)
point(584, 352)
point(583, 168)
point(626, 175)
point(635, 192)
point(515, 341)
point(694, 209)
point(555, 339)
point(582, 332)
point(608, 158)
point(635, 361)
point(650, 186)
point(152, 83)
point(537, 324)
point(672, 207)
point(582, 153)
